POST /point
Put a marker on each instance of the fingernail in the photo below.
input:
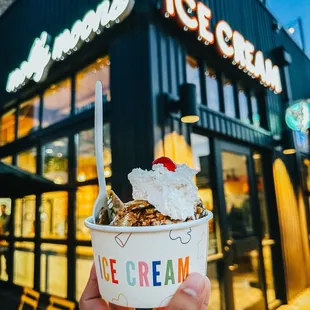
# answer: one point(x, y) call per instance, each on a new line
point(193, 285)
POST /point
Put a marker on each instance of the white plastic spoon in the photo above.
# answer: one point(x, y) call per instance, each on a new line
point(101, 200)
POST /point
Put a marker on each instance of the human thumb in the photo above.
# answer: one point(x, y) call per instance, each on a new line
point(193, 294)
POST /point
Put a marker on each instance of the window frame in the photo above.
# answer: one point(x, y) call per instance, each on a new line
point(80, 121)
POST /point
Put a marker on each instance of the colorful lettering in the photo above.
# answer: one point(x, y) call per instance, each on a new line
point(143, 272)
point(156, 273)
point(113, 271)
point(104, 268)
point(169, 273)
point(131, 280)
point(183, 270)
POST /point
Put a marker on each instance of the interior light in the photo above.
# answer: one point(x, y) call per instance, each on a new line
point(58, 180)
point(256, 156)
point(81, 177)
point(291, 30)
point(59, 155)
point(107, 172)
point(108, 187)
point(289, 151)
point(59, 143)
point(49, 151)
point(190, 119)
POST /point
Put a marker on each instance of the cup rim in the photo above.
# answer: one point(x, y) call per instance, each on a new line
point(142, 229)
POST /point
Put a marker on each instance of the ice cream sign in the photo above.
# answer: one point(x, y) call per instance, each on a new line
point(41, 55)
point(195, 17)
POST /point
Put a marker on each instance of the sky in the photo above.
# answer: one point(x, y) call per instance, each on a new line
point(287, 11)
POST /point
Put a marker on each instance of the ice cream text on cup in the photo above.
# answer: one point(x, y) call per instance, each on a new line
point(146, 273)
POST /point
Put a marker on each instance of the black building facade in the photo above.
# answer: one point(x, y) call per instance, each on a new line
point(253, 170)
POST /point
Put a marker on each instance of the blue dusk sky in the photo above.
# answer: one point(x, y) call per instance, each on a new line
point(287, 11)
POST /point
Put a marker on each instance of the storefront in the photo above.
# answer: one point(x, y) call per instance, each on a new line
point(146, 54)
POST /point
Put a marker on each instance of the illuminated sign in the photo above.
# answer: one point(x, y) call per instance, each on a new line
point(41, 55)
point(297, 116)
point(196, 17)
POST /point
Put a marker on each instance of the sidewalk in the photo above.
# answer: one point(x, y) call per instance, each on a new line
point(302, 302)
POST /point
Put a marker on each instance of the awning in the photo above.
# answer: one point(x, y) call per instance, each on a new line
point(17, 183)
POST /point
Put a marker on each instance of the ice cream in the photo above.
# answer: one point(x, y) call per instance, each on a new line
point(164, 195)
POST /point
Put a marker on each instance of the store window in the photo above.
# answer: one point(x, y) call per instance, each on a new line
point(27, 160)
point(4, 260)
point(23, 264)
point(258, 165)
point(25, 217)
point(193, 75)
point(86, 197)
point(54, 269)
point(54, 215)
point(213, 99)
point(237, 196)
point(7, 160)
point(55, 161)
point(28, 117)
point(229, 98)
point(306, 173)
point(5, 215)
point(84, 261)
point(255, 111)
point(86, 81)
point(7, 127)
point(56, 103)
point(215, 301)
point(243, 105)
point(86, 168)
point(201, 157)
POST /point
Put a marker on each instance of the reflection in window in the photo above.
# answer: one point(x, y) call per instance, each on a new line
point(86, 79)
point(27, 160)
point(55, 161)
point(7, 160)
point(86, 154)
point(25, 216)
point(261, 194)
point(84, 261)
point(54, 214)
point(247, 285)
point(86, 196)
point(4, 260)
point(23, 264)
point(268, 266)
point(213, 99)
point(28, 117)
point(7, 127)
point(201, 155)
point(236, 186)
point(215, 302)
point(193, 76)
point(255, 111)
point(56, 103)
point(5, 214)
point(54, 269)
point(243, 106)
point(306, 173)
point(229, 98)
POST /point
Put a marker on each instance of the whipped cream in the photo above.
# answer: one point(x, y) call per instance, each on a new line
point(173, 193)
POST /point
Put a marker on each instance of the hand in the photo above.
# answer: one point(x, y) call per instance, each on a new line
point(193, 294)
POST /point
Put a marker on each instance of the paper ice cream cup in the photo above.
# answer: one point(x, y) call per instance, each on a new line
point(142, 267)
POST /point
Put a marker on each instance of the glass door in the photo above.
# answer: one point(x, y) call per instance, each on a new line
point(241, 223)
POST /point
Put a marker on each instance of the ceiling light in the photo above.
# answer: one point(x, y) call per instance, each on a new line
point(49, 151)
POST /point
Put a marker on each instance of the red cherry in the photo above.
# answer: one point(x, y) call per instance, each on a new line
point(166, 161)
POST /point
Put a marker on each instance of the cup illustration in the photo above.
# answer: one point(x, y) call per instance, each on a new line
point(142, 267)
